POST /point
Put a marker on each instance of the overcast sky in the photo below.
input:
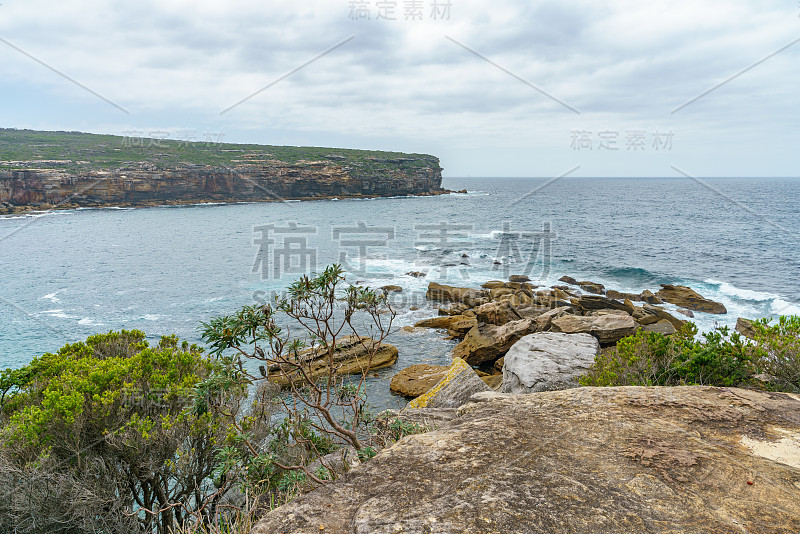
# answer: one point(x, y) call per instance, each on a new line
point(507, 88)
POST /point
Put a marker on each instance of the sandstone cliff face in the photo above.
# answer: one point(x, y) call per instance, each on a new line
point(266, 181)
point(587, 460)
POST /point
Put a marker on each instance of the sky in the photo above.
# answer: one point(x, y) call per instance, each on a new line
point(508, 88)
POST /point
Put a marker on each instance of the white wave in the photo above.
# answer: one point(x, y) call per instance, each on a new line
point(782, 307)
point(151, 317)
point(60, 314)
point(90, 322)
point(744, 294)
point(52, 296)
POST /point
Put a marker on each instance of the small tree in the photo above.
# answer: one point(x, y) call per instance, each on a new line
point(323, 404)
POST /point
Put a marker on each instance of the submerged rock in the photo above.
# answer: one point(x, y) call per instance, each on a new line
point(580, 461)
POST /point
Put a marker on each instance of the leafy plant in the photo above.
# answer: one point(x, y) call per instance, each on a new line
point(780, 356)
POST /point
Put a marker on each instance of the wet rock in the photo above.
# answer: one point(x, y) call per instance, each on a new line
point(598, 302)
point(687, 297)
point(649, 297)
point(518, 278)
point(546, 361)
point(687, 313)
point(568, 280)
point(612, 294)
point(592, 287)
point(416, 274)
point(392, 289)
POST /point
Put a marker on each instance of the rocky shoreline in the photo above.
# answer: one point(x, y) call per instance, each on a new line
point(513, 445)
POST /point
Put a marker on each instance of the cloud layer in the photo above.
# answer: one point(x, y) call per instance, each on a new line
point(479, 86)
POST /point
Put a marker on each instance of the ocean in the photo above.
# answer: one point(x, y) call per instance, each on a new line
point(68, 274)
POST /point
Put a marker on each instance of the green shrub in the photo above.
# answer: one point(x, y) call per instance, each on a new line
point(780, 356)
point(646, 358)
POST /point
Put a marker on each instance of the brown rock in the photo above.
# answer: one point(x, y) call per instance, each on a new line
point(745, 327)
point(643, 317)
point(493, 381)
point(687, 297)
point(440, 322)
point(612, 294)
point(650, 298)
point(518, 278)
point(687, 313)
point(588, 460)
point(500, 291)
point(418, 379)
point(607, 329)
point(498, 313)
point(592, 287)
point(568, 280)
point(487, 342)
point(493, 284)
point(598, 302)
point(498, 365)
point(459, 329)
point(544, 321)
point(465, 295)
point(662, 314)
point(661, 327)
point(416, 274)
point(392, 289)
point(353, 355)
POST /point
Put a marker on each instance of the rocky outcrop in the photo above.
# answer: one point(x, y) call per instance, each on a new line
point(586, 460)
point(266, 180)
point(688, 298)
point(352, 355)
point(547, 361)
point(487, 342)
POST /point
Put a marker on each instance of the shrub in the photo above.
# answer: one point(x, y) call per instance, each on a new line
point(780, 357)
point(646, 358)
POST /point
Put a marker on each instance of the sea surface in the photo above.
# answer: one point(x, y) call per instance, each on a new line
point(68, 274)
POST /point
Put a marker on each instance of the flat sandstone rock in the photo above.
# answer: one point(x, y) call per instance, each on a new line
point(586, 460)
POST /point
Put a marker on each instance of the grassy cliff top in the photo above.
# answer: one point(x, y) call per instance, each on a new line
point(76, 151)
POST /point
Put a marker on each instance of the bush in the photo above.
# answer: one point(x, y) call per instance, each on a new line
point(646, 358)
point(780, 356)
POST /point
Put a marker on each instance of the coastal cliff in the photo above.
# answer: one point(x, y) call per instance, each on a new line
point(235, 173)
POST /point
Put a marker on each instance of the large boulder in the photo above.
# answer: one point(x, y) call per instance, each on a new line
point(352, 355)
point(441, 292)
point(455, 388)
point(498, 313)
point(418, 379)
point(745, 327)
point(548, 360)
point(686, 297)
point(592, 287)
point(580, 461)
point(608, 329)
point(487, 342)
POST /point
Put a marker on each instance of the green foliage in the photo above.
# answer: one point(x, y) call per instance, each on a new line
point(119, 420)
point(650, 359)
point(109, 152)
point(780, 357)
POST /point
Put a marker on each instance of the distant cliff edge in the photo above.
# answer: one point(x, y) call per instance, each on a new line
point(39, 175)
